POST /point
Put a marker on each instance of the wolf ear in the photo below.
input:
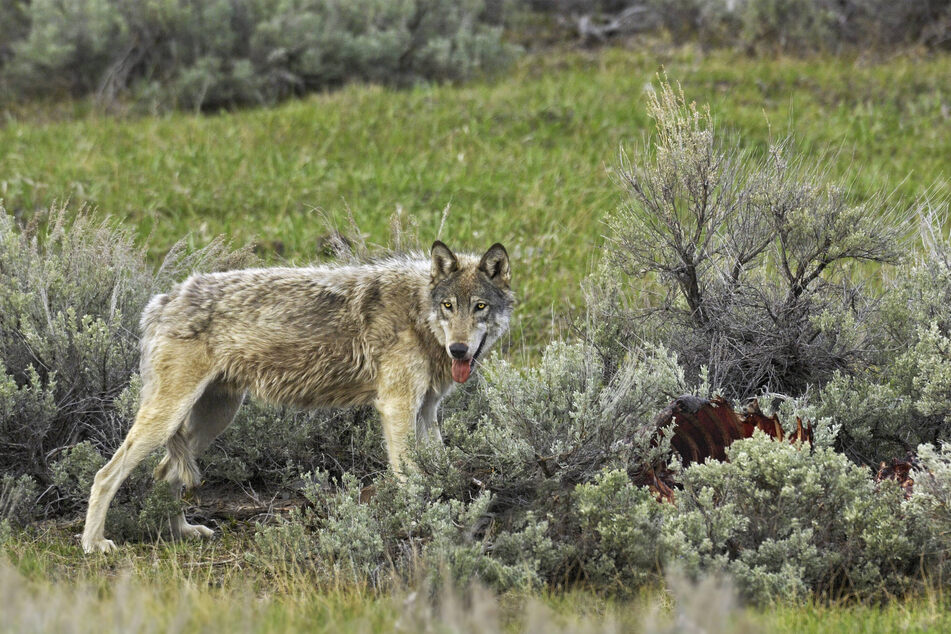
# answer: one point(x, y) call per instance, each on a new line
point(495, 264)
point(444, 261)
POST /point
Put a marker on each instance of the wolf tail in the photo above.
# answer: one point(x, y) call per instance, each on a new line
point(179, 464)
point(151, 317)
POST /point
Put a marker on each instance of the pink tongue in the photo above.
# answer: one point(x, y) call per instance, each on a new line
point(461, 369)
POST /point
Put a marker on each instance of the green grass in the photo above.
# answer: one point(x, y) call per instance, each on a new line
point(48, 585)
point(526, 160)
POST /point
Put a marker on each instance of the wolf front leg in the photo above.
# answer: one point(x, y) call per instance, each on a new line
point(402, 386)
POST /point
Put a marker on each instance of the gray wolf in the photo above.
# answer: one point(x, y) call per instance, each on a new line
point(395, 333)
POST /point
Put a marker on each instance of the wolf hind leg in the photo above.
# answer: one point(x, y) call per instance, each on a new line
point(426, 426)
point(164, 407)
point(210, 415)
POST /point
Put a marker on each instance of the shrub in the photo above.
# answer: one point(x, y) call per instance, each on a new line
point(753, 257)
point(230, 52)
point(622, 541)
point(17, 501)
point(528, 434)
point(903, 397)
point(498, 502)
point(402, 530)
point(929, 509)
point(15, 26)
point(786, 522)
point(141, 508)
point(274, 445)
point(791, 26)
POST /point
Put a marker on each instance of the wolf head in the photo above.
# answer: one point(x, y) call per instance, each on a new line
point(471, 303)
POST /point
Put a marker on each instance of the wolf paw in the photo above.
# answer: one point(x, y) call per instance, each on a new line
point(191, 531)
point(98, 546)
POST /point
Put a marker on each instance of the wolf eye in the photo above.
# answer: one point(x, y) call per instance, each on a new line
point(447, 305)
point(480, 306)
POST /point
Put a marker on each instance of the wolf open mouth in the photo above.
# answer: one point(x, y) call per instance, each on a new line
point(462, 368)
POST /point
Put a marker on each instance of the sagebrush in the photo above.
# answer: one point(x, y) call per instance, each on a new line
point(222, 53)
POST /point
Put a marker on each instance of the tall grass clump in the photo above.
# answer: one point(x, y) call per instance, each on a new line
point(207, 55)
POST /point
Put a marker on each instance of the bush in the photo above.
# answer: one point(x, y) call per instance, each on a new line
point(17, 501)
point(771, 26)
point(623, 542)
point(787, 523)
point(498, 502)
point(15, 27)
point(401, 531)
point(929, 509)
point(273, 445)
point(140, 510)
point(222, 53)
point(70, 299)
point(754, 258)
point(529, 434)
point(536, 486)
point(903, 397)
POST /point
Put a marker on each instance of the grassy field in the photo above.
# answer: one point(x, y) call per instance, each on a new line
point(526, 160)
point(214, 586)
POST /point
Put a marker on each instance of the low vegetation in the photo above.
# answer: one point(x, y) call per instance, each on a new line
point(728, 262)
point(797, 27)
point(168, 588)
point(210, 55)
point(536, 488)
point(225, 53)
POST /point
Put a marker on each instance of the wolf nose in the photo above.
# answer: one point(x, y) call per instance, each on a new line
point(458, 350)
